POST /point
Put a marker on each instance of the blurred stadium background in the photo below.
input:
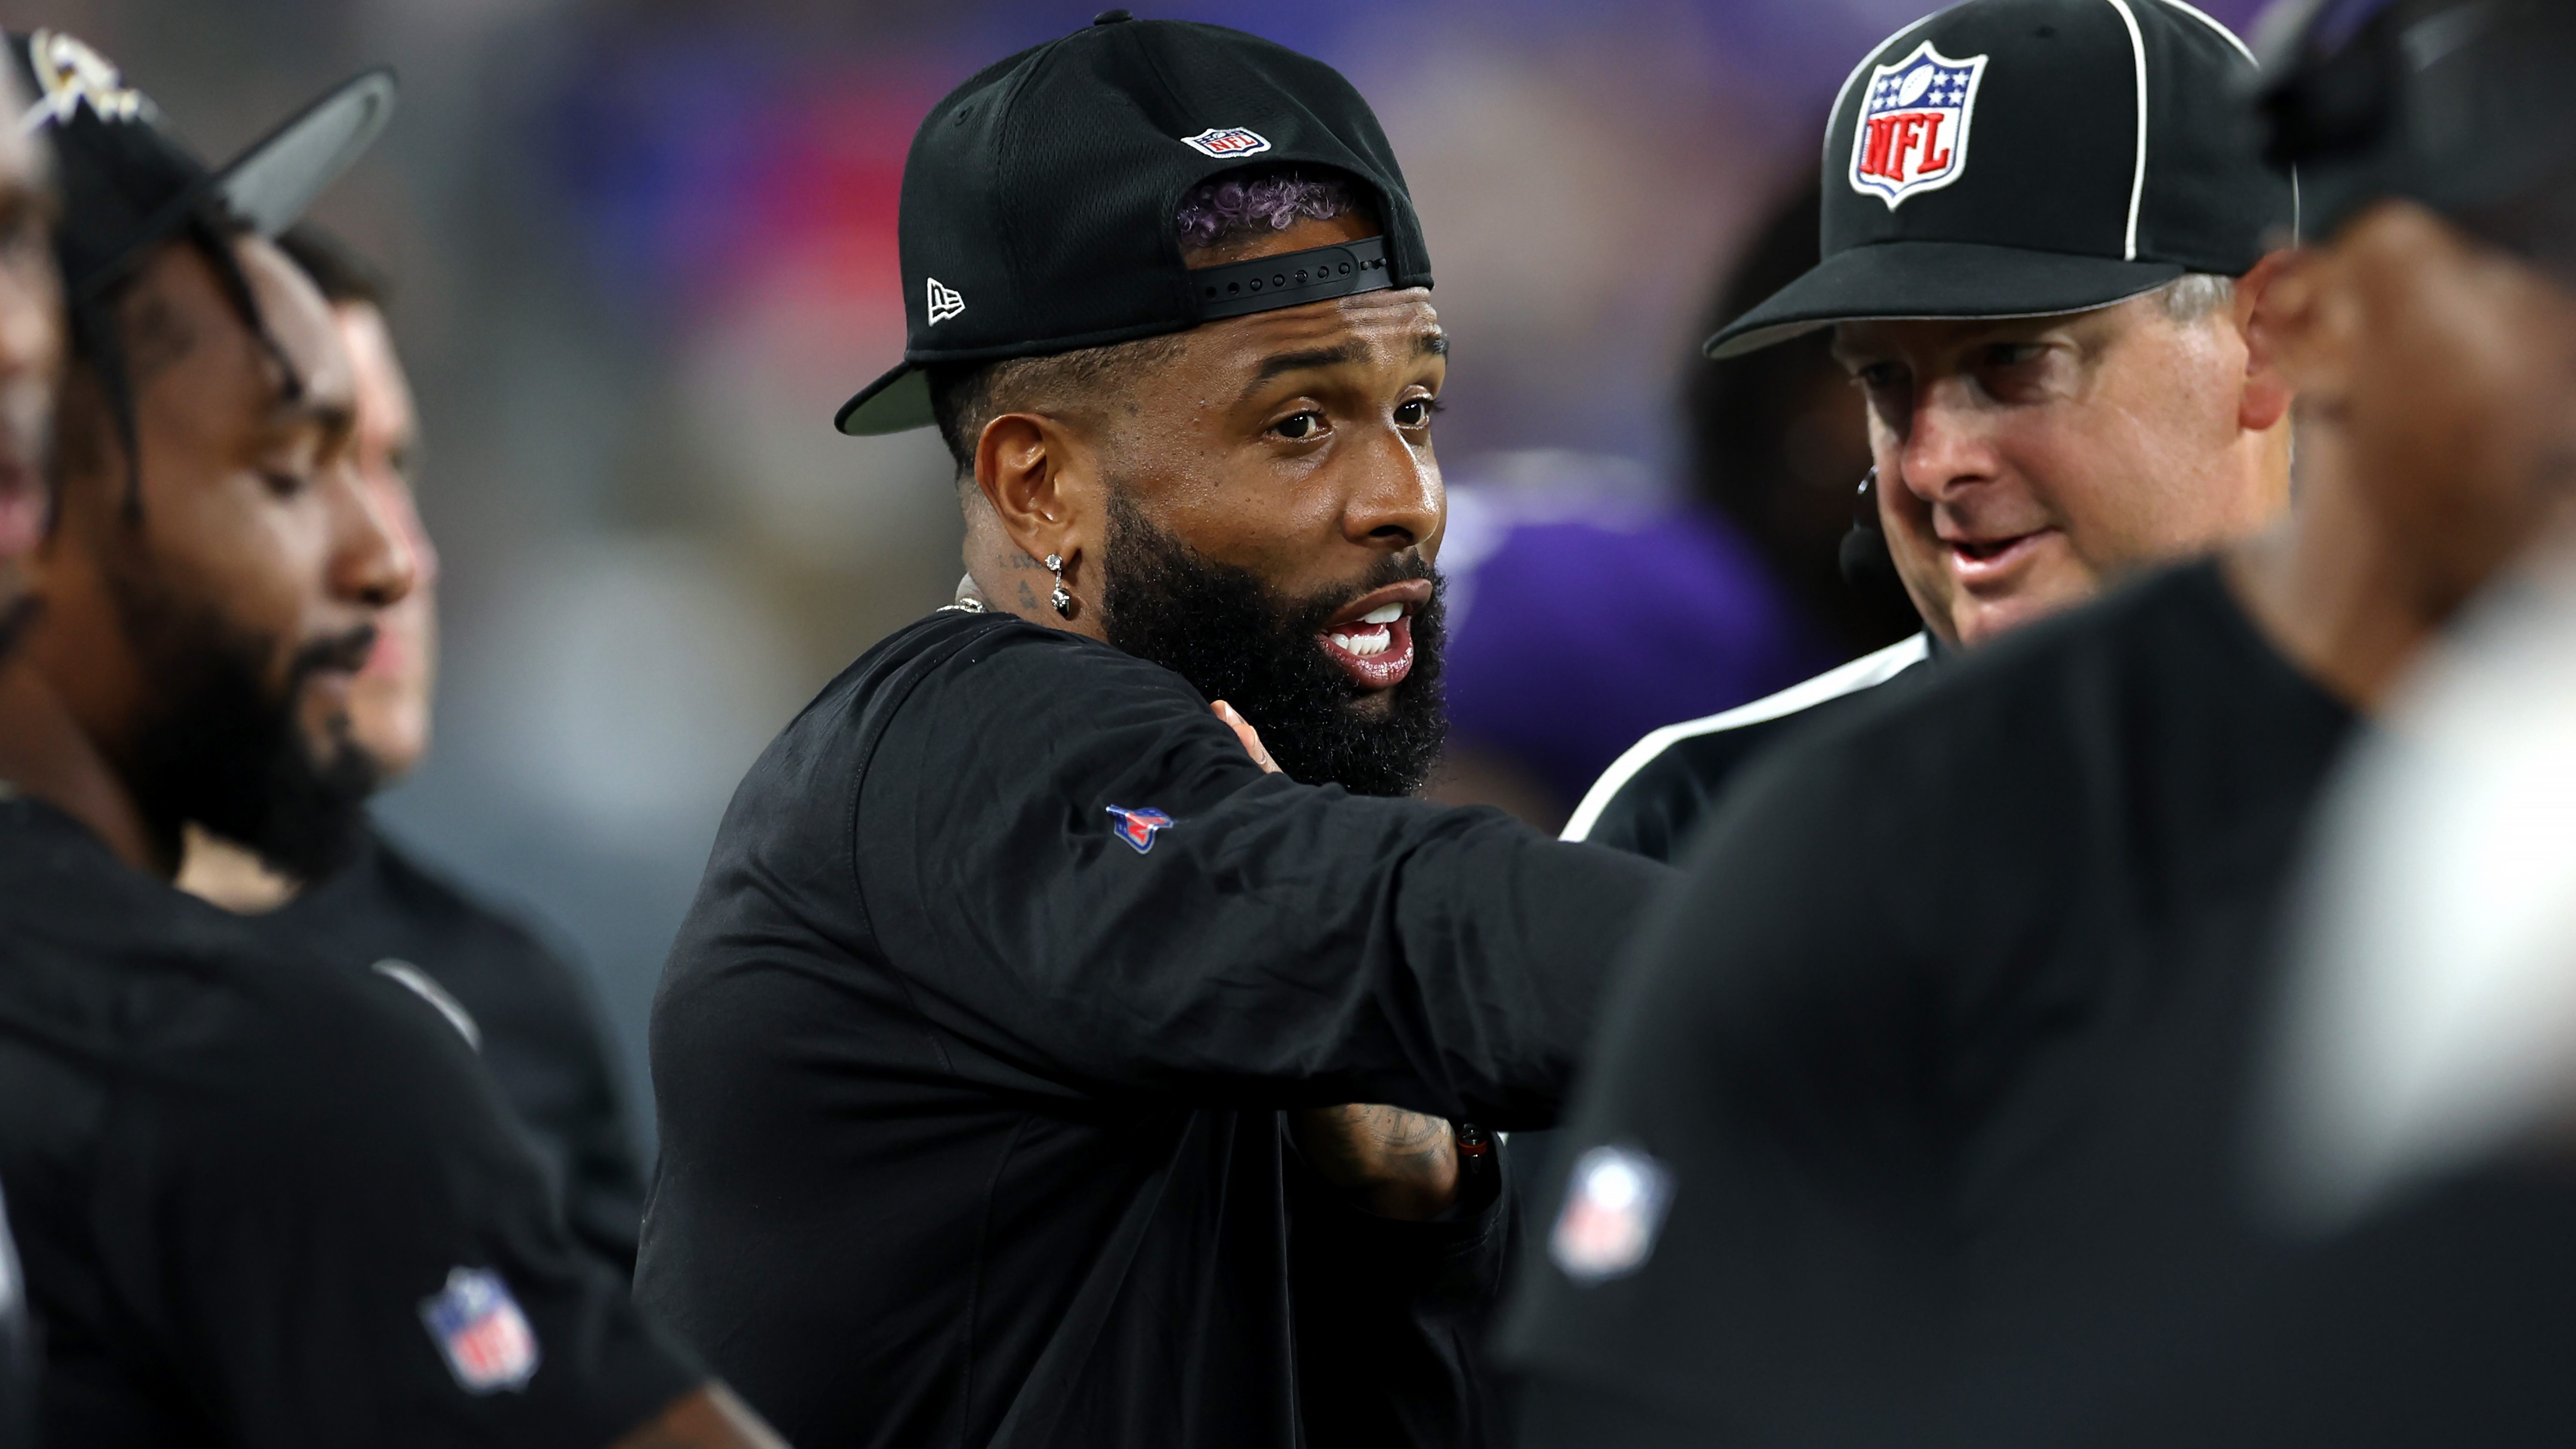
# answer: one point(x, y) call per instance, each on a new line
point(644, 247)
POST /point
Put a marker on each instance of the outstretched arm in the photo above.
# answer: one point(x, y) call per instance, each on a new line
point(710, 1418)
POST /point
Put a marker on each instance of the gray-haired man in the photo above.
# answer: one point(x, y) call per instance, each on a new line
point(2043, 244)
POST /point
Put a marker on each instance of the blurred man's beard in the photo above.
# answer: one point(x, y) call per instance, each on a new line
point(1221, 629)
point(15, 615)
point(221, 751)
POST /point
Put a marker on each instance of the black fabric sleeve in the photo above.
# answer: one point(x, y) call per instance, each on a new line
point(1766, 1047)
point(1391, 1315)
point(309, 1219)
point(1275, 945)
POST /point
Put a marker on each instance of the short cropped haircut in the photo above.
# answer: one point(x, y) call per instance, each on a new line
point(1218, 213)
point(2197, 296)
point(344, 277)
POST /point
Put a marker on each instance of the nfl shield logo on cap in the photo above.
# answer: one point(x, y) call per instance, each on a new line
point(480, 1331)
point(1227, 142)
point(1914, 124)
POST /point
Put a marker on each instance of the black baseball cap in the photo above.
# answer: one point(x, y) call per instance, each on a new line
point(1038, 199)
point(130, 184)
point(2029, 158)
point(2459, 105)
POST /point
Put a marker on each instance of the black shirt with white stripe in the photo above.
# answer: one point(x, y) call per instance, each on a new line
point(263, 1199)
point(530, 1013)
point(1930, 1082)
point(1653, 798)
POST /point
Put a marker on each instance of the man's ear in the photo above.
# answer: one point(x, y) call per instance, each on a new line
point(2298, 327)
point(2268, 391)
point(1044, 486)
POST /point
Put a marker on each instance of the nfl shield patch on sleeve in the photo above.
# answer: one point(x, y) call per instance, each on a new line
point(1614, 1206)
point(480, 1331)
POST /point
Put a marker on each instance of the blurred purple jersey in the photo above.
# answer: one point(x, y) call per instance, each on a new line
point(1583, 617)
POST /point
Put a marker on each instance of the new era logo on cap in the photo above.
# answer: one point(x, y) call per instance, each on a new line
point(944, 302)
point(1225, 144)
point(1914, 124)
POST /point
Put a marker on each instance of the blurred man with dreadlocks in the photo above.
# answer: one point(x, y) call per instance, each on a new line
point(259, 1199)
point(532, 1013)
point(31, 337)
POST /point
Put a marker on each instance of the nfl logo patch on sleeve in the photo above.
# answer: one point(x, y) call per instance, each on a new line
point(480, 1331)
point(1912, 135)
point(1137, 827)
point(1614, 1206)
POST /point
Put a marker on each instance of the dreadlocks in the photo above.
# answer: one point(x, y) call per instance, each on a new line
point(99, 337)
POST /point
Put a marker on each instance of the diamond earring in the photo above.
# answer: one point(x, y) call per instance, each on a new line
point(1063, 601)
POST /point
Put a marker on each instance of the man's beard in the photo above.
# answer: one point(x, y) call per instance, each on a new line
point(1228, 634)
point(221, 750)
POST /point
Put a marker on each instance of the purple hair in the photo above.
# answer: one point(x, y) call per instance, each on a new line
point(1238, 204)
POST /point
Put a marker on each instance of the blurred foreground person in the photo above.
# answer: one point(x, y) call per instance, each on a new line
point(1927, 1163)
point(2044, 242)
point(978, 1058)
point(31, 348)
point(259, 1200)
point(526, 1009)
point(2414, 1127)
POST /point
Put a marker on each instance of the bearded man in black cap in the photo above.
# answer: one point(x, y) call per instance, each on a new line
point(259, 1199)
point(997, 1062)
point(1961, 1156)
point(2044, 242)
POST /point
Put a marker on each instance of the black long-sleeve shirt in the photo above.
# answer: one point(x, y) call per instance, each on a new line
point(970, 1056)
point(535, 1023)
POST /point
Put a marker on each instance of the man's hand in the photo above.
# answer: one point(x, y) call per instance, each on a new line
point(1396, 1164)
point(1244, 731)
point(710, 1418)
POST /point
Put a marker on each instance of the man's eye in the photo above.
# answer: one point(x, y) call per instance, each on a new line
point(1415, 413)
point(2013, 354)
point(1299, 428)
point(1879, 376)
point(281, 482)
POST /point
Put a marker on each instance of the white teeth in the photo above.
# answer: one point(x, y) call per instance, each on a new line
point(1375, 641)
point(1383, 614)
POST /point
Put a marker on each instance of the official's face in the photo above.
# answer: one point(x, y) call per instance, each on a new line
point(2447, 369)
point(30, 347)
point(389, 703)
point(2024, 463)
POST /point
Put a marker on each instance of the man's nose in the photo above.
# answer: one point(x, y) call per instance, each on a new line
point(31, 336)
point(1399, 502)
point(1944, 448)
point(372, 562)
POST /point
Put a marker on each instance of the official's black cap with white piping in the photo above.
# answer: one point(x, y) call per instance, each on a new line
point(128, 183)
point(1039, 198)
point(2017, 158)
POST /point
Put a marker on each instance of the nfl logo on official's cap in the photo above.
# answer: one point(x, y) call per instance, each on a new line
point(480, 1331)
point(1614, 1206)
point(1227, 142)
point(1914, 124)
